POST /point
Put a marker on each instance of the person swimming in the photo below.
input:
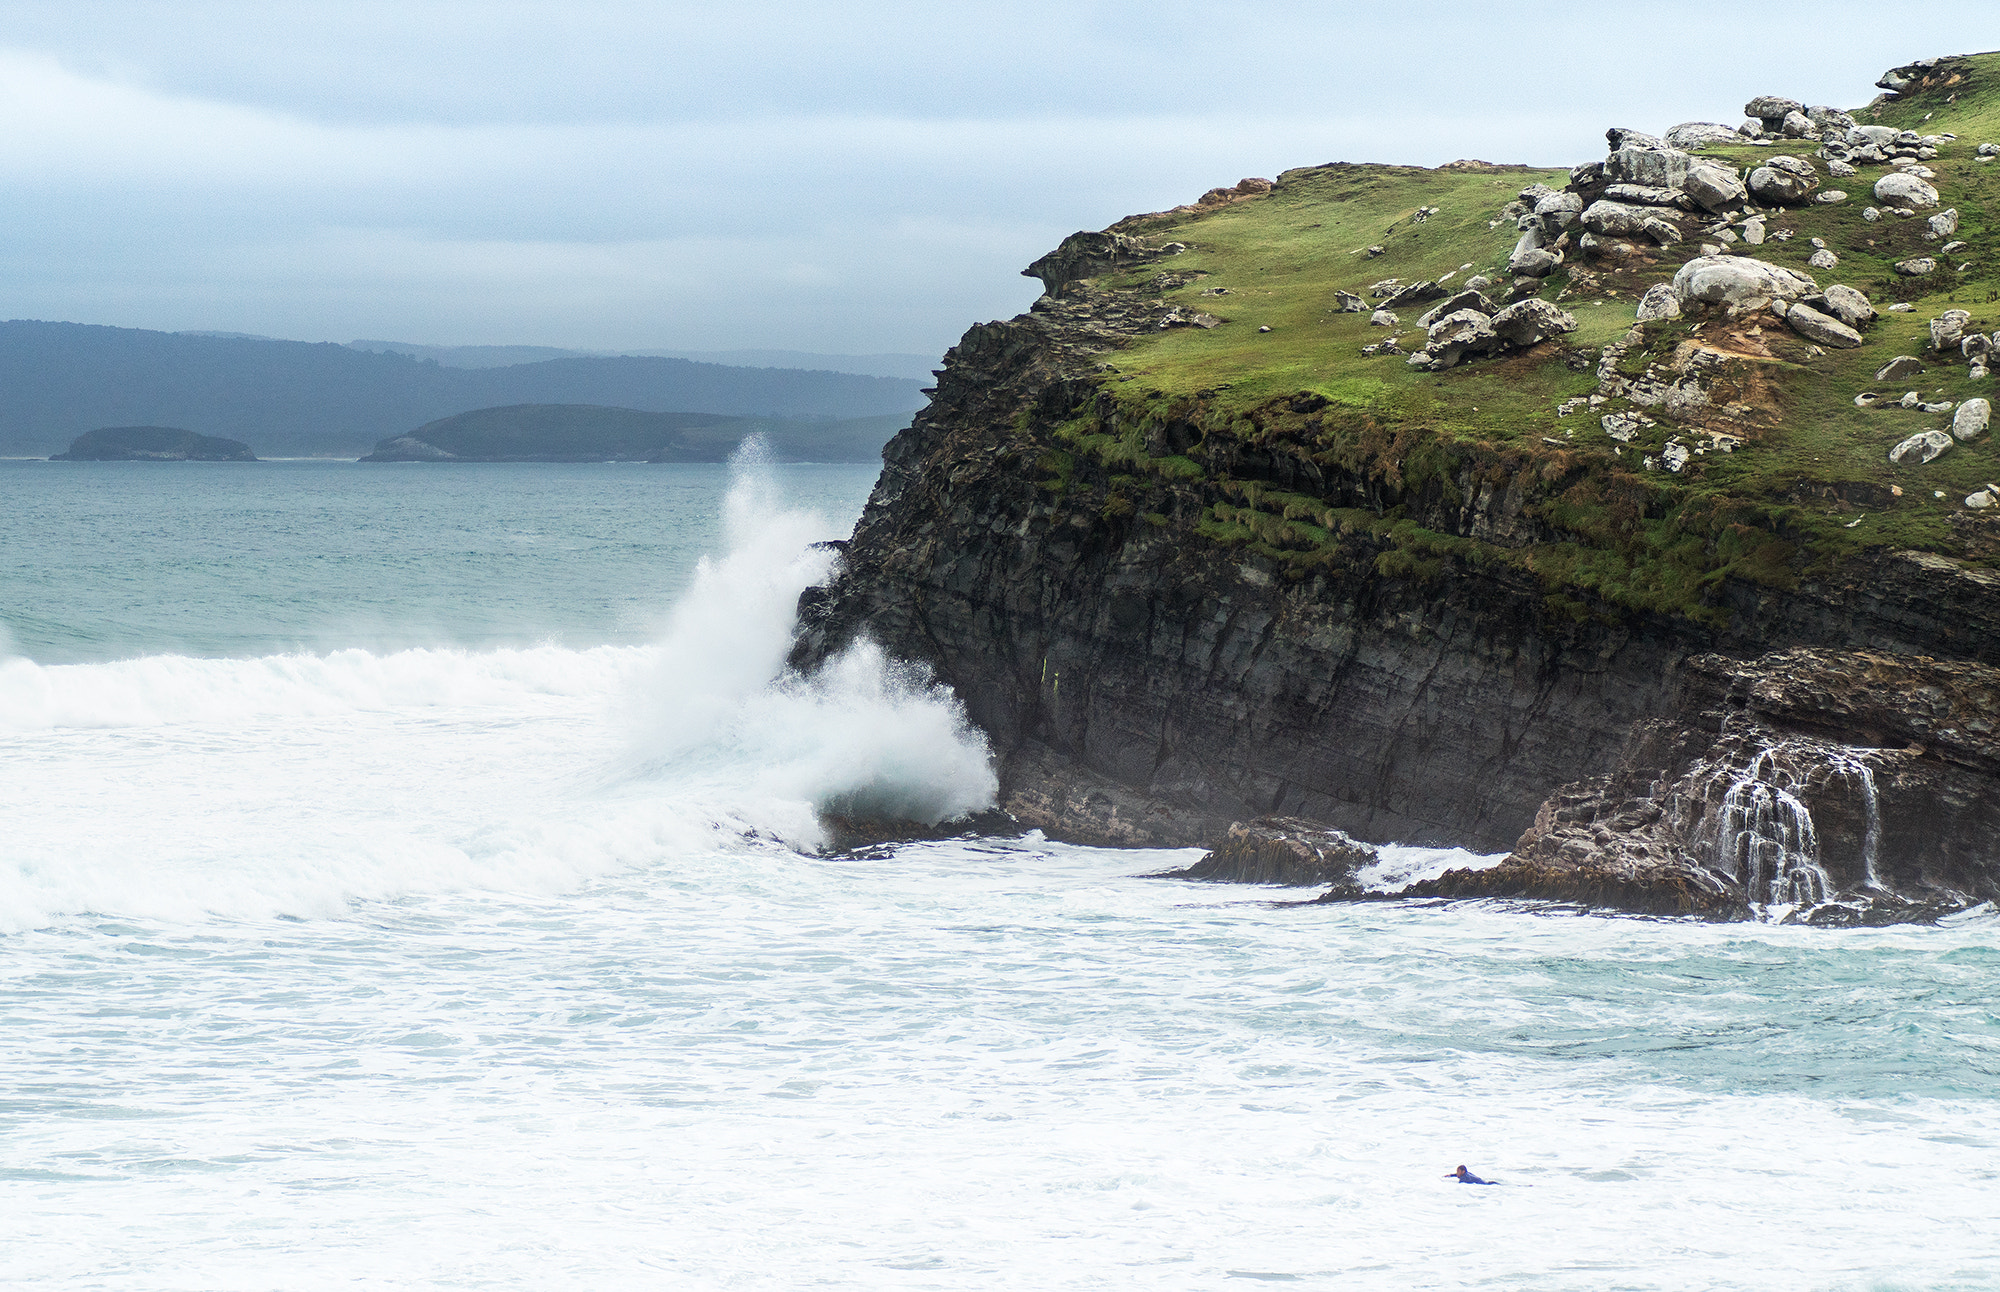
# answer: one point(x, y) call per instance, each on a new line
point(1464, 1176)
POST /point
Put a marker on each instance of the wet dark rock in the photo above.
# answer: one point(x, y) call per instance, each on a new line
point(875, 836)
point(1838, 787)
point(1141, 685)
point(1279, 850)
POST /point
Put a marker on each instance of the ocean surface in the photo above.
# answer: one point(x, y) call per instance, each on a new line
point(410, 878)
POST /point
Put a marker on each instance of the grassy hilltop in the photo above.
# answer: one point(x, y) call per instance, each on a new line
point(1808, 483)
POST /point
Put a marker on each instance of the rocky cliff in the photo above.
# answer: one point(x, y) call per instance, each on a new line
point(1209, 535)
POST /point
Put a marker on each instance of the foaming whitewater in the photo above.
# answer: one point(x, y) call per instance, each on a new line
point(172, 787)
point(863, 736)
point(514, 967)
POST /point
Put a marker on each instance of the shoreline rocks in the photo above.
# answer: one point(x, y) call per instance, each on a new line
point(1280, 850)
point(1823, 787)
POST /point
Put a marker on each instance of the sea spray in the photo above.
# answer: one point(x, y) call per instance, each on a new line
point(179, 788)
point(726, 639)
point(865, 735)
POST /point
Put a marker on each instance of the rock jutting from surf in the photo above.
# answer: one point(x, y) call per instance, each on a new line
point(1563, 512)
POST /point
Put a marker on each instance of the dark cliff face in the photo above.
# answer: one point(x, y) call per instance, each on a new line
point(1843, 787)
point(1143, 684)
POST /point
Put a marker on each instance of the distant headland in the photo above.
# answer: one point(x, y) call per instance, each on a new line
point(598, 433)
point(153, 444)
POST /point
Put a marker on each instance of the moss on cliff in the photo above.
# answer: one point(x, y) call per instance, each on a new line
point(1241, 432)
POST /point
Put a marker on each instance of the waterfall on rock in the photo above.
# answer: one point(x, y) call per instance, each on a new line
point(1850, 762)
point(1763, 831)
point(1766, 838)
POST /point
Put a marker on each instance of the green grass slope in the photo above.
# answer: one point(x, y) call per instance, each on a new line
point(1808, 484)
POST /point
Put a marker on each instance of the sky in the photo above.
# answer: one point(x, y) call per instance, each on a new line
point(842, 178)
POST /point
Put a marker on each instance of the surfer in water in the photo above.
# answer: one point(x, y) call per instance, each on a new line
point(1464, 1176)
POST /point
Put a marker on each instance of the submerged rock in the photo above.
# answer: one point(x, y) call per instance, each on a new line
point(1280, 850)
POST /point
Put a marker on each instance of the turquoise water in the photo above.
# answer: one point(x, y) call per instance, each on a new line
point(109, 560)
point(410, 880)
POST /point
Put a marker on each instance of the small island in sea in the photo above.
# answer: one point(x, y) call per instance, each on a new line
point(600, 433)
point(153, 444)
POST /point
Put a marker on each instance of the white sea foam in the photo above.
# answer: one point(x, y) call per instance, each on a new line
point(569, 1023)
point(1399, 865)
point(175, 690)
point(864, 735)
point(171, 787)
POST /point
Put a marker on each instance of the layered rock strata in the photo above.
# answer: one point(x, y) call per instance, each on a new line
point(1838, 787)
point(1172, 614)
point(1142, 686)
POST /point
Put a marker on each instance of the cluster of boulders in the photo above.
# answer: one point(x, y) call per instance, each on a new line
point(1968, 423)
point(1733, 286)
point(1652, 192)
point(1468, 324)
point(1950, 340)
point(1462, 324)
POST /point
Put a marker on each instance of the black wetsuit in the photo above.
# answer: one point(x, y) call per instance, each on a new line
point(1466, 1177)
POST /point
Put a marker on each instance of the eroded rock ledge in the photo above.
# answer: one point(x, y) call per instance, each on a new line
point(1836, 787)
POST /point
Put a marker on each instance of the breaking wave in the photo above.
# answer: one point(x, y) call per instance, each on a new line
point(177, 788)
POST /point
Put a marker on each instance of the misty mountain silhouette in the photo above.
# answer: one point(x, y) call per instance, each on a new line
point(58, 380)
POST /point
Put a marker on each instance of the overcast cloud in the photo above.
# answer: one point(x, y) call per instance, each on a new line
point(844, 178)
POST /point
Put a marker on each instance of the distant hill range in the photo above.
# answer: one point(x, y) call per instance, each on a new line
point(593, 433)
point(58, 380)
point(153, 444)
point(912, 367)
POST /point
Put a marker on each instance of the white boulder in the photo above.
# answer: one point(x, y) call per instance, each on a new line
point(1658, 303)
point(1616, 219)
point(1558, 211)
point(1847, 305)
point(1948, 329)
point(1780, 187)
point(1820, 329)
point(1905, 192)
point(1737, 282)
point(1457, 334)
point(1653, 167)
point(1924, 446)
point(1693, 134)
point(1714, 189)
point(1525, 323)
point(1971, 418)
